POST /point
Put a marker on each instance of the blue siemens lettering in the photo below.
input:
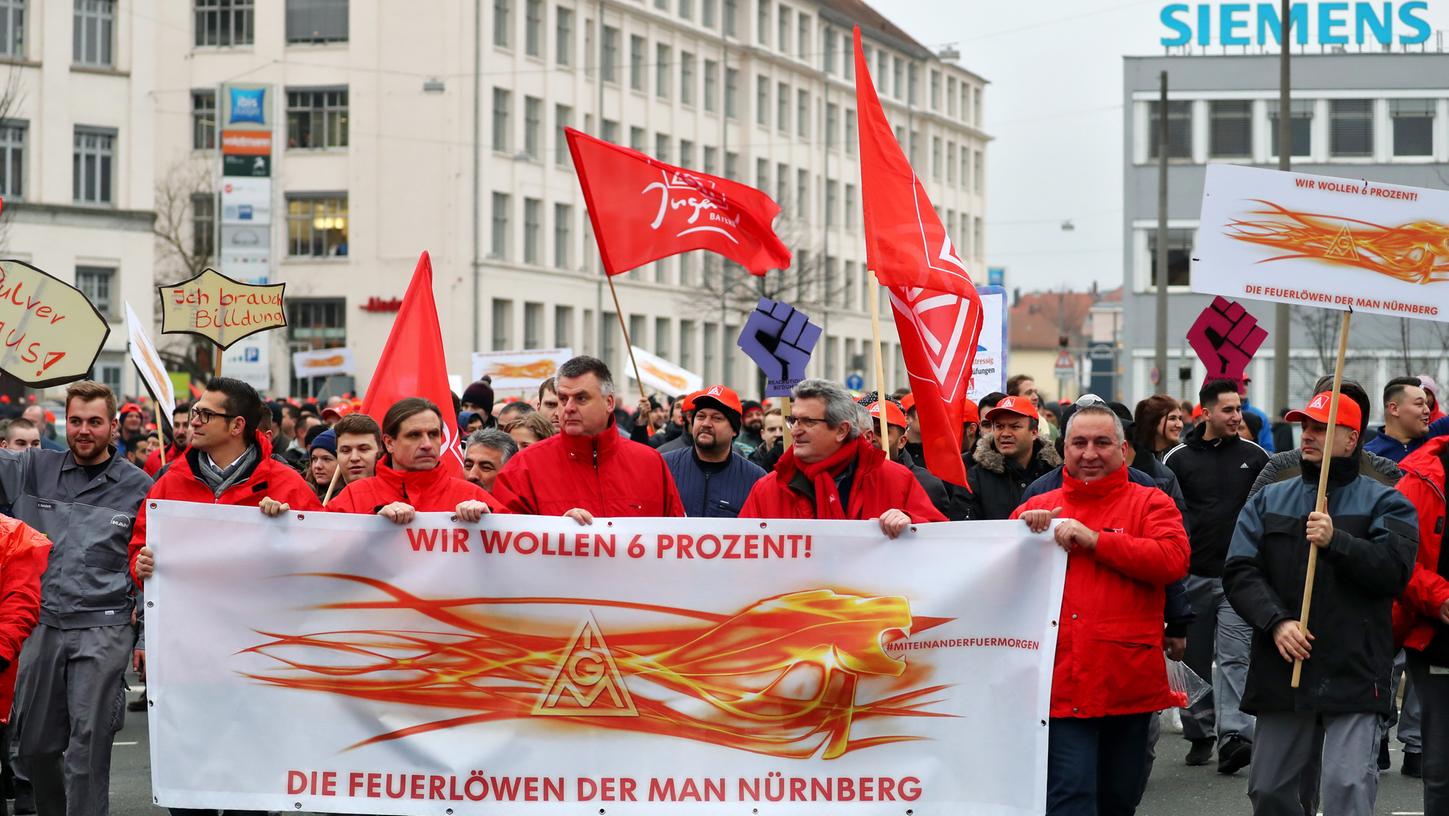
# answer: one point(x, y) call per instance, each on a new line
point(1325, 23)
point(248, 105)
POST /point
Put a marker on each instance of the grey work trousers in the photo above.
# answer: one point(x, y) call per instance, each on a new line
point(1217, 637)
point(69, 703)
point(1433, 686)
point(1283, 753)
point(1406, 717)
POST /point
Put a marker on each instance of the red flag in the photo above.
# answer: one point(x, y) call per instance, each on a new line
point(412, 363)
point(937, 310)
point(645, 210)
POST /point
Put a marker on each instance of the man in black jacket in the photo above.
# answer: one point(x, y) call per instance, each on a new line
point(1366, 544)
point(1215, 468)
point(1008, 460)
point(951, 500)
point(713, 479)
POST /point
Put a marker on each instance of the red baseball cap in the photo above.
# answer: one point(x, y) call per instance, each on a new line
point(130, 408)
point(908, 402)
point(722, 396)
point(1021, 406)
point(687, 403)
point(1349, 415)
point(970, 412)
point(339, 410)
point(894, 415)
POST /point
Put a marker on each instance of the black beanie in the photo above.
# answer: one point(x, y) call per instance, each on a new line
point(480, 394)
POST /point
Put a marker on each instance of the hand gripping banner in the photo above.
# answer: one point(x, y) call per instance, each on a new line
point(526, 665)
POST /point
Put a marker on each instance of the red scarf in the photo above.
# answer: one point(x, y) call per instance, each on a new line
point(822, 474)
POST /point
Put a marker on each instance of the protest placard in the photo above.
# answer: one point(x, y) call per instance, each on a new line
point(519, 370)
point(221, 309)
point(780, 339)
point(149, 365)
point(663, 376)
point(323, 362)
point(52, 333)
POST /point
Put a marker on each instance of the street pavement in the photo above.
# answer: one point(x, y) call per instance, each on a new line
point(1175, 789)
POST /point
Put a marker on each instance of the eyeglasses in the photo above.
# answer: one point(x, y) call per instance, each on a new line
point(205, 415)
point(809, 422)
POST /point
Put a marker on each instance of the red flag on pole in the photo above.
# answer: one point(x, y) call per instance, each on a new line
point(937, 309)
point(412, 363)
point(643, 209)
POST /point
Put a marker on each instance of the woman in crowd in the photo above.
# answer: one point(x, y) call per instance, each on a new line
point(1157, 425)
point(529, 429)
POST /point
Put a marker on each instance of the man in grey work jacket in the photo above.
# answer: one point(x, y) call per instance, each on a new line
point(68, 697)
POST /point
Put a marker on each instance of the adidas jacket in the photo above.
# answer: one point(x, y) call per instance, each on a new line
point(1215, 477)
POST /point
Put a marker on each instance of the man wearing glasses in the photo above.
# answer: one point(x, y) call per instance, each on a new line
point(832, 472)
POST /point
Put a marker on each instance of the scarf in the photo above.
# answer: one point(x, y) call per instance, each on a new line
point(222, 479)
point(822, 475)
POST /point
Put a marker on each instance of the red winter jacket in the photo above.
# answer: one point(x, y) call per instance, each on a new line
point(1109, 644)
point(153, 459)
point(428, 491)
point(1423, 485)
point(180, 483)
point(877, 486)
point(24, 554)
point(605, 474)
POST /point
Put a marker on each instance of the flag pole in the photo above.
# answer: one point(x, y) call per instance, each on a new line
point(785, 426)
point(333, 486)
point(1322, 503)
point(628, 344)
point(161, 441)
point(885, 439)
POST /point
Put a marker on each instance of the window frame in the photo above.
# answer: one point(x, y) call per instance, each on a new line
point(325, 204)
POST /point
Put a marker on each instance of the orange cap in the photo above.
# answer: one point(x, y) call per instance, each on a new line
point(970, 412)
point(908, 402)
point(1349, 414)
point(894, 415)
point(723, 395)
point(339, 410)
point(1021, 406)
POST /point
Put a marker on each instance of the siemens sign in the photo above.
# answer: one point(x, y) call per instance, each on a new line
point(1316, 23)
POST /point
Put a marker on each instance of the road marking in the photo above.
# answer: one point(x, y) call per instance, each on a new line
point(1408, 813)
point(133, 743)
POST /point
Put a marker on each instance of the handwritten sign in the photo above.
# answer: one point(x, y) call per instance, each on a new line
point(1225, 338)
point(52, 333)
point(779, 338)
point(221, 309)
point(148, 363)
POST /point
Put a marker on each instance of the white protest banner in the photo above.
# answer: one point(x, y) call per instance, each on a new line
point(663, 376)
point(149, 365)
point(323, 362)
point(988, 369)
point(1323, 241)
point(519, 370)
point(646, 666)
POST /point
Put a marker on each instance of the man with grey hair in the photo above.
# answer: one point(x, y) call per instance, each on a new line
point(588, 469)
point(1125, 543)
point(832, 472)
point(485, 452)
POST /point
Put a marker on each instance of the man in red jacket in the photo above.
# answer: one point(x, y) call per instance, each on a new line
point(588, 469)
point(180, 438)
point(228, 462)
point(1125, 544)
point(832, 472)
point(411, 480)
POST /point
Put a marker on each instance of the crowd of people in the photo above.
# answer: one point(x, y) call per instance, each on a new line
point(1187, 536)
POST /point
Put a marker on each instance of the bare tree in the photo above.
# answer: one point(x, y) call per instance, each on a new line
point(1321, 326)
point(184, 251)
point(809, 282)
point(12, 95)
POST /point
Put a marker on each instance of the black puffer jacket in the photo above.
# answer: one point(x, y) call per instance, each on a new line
point(952, 500)
point(1215, 476)
point(997, 483)
point(1366, 565)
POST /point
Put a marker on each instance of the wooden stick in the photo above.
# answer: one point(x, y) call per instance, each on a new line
point(628, 344)
point(161, 441)
point(784, 414)
point(885, 437)
point(333, 486)
point(1322, 503)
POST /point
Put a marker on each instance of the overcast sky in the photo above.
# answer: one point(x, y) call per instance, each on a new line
point(1054, 108)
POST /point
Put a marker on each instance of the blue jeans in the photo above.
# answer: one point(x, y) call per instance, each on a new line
point(1094, 766)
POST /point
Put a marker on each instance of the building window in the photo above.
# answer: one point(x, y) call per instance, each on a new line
point(637, 46)
point(532, 230)
point(663, 70)
point(502, 108)
point(12, 160)
point(611, 131)
point(108, 374)
point(12, 29)
point(224, 22)
point(533, 28)
point(563, 227)
point(203, 225)
point(935, 90)
point(732, 165)
point(802, 195)
point(686, 78)
point(93, 166)
point(97, 283)
point(502, 324)
point(316, 21)
point(563, 35)
point(661, 146)
point(203, 120)
point(731, 18)
point(532, 125)
point(314, 323)
point(686, 153)
point(1179, 130)
point(782, 39)
point(532, 325)
point(827, 56)
point(978, 170)
point(711, 86)
point(1300, 123)
point(498, 245)
point(1351, 127)
point(762, 174)
point(636, 139)
point(782, 107)
point(502, 23)
point(1230, 129)
point(1179, 257)
point(832, 124)
point(762, 22)
point(317, 225)
point(1413, 121)
point(802, 43)
point(93, 33)
point(609, 55)
point(563, 326)
point(832, 194)
point(951, 163)
point(563, 116)
point(937, 158)
point(802, 113)
point(711, 159)
point(850, 208)
point(762, 101)
point(732, 93)
point(317, 118)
